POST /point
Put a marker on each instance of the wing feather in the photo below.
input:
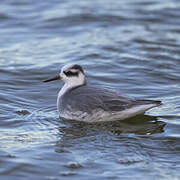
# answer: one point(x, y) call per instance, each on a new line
point(89, 98)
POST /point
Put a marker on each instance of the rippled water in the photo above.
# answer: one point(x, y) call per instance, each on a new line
point(130, 45)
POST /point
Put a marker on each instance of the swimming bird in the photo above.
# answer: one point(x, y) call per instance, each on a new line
point(82, 102)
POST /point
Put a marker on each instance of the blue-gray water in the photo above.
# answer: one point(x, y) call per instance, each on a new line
point(130, 45)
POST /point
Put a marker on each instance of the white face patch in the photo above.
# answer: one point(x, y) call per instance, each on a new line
point(73, 76)
point(70, 71)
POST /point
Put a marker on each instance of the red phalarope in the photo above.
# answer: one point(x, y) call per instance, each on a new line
point(79, 101)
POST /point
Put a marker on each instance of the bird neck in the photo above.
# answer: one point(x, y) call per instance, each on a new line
point(71, 84)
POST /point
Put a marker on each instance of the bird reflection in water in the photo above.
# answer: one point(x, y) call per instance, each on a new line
point(139, 125)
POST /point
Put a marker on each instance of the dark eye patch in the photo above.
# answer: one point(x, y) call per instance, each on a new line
point(70, 73)
point(78, 67)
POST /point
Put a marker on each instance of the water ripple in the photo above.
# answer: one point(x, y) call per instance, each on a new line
point(132, 46)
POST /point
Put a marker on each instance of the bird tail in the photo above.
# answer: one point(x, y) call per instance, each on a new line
point(156, 103)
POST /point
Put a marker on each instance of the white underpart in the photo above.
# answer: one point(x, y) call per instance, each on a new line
point(99, 115)
point(140, 109)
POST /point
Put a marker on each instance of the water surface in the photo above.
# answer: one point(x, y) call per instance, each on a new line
point(130, 45)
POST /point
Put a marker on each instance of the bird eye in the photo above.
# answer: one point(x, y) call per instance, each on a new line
point(70, 73)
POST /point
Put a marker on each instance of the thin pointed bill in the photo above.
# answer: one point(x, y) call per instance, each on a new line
point(53, 79)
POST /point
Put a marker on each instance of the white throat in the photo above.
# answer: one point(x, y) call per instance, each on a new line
point(72, 82)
